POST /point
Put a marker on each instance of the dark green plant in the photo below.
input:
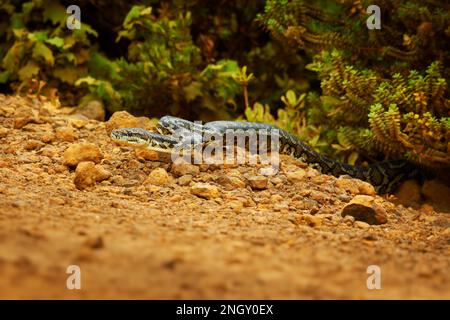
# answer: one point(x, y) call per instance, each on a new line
point(371, 101)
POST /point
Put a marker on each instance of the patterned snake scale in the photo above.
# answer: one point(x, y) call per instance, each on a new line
point(384, 176)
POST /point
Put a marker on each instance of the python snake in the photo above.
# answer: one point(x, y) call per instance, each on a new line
point(384, 176)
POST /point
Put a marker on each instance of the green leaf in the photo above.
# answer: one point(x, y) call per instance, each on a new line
point(38, 36)
point(4, 76)
point(40, 50)
point(86, 80)
point(28, 71)
point(67, 74)
point(134, 13)
point(54, 12)
point(56, 41)
point(352, 158)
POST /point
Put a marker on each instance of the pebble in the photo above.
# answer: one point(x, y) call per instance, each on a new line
point(65, 134)
point(158, 177)
point(122, 119)
point(230, 182)
point(204, 190)
point(364, 208)
point(258, 182)
point(268, 171)
point(87, 174)
point(33, 145)
point(3, 132)
point(94, 109)
point(184, 180)
point(296, 176)
point(361, 224)
point(181, 168)
point(408, 194)
point(311, 220)
point(355, 186)
point(80, 152)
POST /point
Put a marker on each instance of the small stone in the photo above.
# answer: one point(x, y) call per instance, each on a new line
point(437, 192)
point(408, 194)
point(33, 145)
point(348, 184)
point(276, 198)
point(281, 206)
point(122, 119)
point(296, 176)
point(158, 177)
point(94, 109)
point(148, 154)
point(311, 220)
point(361, 224)
point(236, 206)
point(94, 243)
point(204, 190)
point(47, 138)
point(181, 168)
point(79, 152)
point(24, 115)
point(87, 174)
point(184, 180)
point(3, 132)
point(65, 134)
point(268, 171)
point(365, 188)
point(230, 183)
point(364, 208)
point(355, 186)
point(258, 182)
point(349, 220)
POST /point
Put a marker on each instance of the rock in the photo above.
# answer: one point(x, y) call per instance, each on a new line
point(366, 188)
point(184, 180)
point(3, 132)
point(230, 183)
point(181, 168)
point(282, 206)
point(95, 243)
point(204, 190)
point(65, 134)
point(33, 145)
point(276, 198)
point(349, 220)
point(158, 177)
point(361, 224)
point(408, 194)
point(355, 186)
point(93, 109)
point(79, 152)
point(364, 208)
point(87, 174)
point(296, 176)
point(236, 206)
point(347, 184)
point(438, 193)
point(268, 171)
point(122, 119)
point(311, 220)
point(77, 123)
point(258, 182)
point(47, 138)
point(24, 115)
point(147, 154)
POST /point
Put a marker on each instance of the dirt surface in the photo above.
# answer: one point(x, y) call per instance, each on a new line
point(193, 232)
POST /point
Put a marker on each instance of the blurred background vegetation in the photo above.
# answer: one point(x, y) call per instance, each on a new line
point(310, 67)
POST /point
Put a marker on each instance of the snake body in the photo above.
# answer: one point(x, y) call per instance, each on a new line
point(384, 176)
